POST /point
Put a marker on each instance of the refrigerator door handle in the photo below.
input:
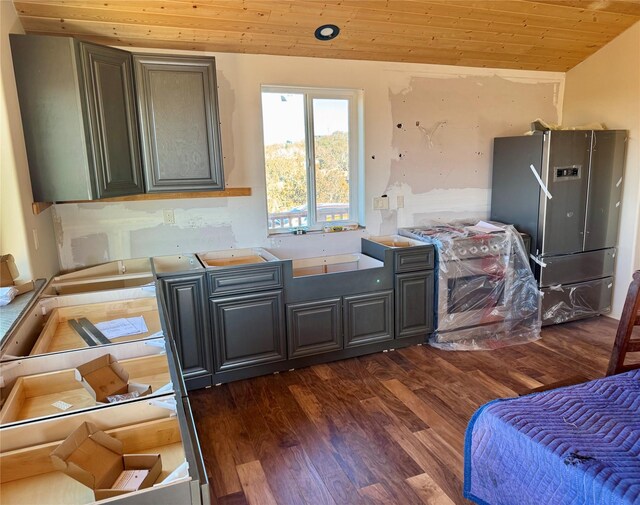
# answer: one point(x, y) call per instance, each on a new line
point(542, 184)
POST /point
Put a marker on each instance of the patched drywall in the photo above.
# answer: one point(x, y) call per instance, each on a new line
point(444, 128)
point(443, 140)
point(438, 160)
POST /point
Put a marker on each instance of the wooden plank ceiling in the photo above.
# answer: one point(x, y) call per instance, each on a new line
point(551, 35)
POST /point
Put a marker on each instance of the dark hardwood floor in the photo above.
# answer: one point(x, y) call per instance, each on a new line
point(385, 428)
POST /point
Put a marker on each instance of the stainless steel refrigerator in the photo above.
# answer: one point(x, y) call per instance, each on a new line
point(564, 188)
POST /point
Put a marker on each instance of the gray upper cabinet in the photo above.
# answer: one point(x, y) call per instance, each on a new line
point(79, 120)
point(178, 109)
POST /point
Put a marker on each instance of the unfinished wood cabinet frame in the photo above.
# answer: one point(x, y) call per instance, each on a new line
point(57, 335)
point(27, 473)
point(32, 396)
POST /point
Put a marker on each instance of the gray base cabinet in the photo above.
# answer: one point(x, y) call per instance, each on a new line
point(314, 327)
point(414, 304)
point(368, 318)
point(248, 330)
point(178, 109)
point(189, 324)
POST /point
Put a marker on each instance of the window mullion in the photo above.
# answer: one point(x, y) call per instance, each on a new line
point(311, 161)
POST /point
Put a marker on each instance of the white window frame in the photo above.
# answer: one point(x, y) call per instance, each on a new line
point(356, 151)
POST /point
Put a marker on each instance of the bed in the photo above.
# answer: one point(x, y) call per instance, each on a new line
point(574, 445)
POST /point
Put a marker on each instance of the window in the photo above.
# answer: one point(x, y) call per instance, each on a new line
point(312, 151)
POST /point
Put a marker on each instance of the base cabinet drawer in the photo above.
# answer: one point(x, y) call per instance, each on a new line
point(248, 330)
point(414, 258)
point(368, 318)
point(240, 280)
point(414, 304)
point(314, 327)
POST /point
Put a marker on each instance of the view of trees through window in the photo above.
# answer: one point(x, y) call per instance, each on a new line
point(293, 199)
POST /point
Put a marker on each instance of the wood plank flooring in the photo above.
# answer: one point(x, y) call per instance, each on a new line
point(381, 429)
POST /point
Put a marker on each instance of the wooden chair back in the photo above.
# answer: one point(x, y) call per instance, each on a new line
point(630, 318)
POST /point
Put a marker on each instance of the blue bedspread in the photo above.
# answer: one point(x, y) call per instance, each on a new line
point(575, 445)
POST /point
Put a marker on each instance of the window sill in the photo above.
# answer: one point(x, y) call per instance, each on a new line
point(285, 233)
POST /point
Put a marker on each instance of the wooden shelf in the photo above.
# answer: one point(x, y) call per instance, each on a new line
point(39, 207)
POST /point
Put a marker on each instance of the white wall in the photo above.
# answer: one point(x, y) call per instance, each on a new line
point(606, 88)
point(18, 226)
point(442, 171)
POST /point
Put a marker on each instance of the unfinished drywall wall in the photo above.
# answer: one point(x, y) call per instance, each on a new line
point(606, 88)
point(29, 238)
point(443, 140)
point(477, 105)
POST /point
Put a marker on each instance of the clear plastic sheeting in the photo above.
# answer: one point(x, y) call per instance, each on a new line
point(487, 296)
point(562, 303)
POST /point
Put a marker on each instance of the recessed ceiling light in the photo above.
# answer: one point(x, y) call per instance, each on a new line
point(327, 32)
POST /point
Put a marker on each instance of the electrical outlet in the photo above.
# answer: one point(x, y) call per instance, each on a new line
point(400, 201)
point(169, 216)
point(381, 203)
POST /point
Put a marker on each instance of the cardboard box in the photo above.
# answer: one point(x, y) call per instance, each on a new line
point(96, 459)
point(104, 376)
point(8, 271)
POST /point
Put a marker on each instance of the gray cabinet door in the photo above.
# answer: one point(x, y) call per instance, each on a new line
point(248, 330)
point(368, 318)
point(314, 327)
point(414, 304)
point(178, 109)
point(605, 189)
point(186, 304)
point(108, 83)
point(567, 178)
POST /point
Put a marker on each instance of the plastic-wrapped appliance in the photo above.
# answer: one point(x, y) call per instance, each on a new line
point(487, 296)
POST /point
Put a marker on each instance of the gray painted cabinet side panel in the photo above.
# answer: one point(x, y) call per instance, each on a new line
point(178, 109)
point(51, 100)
